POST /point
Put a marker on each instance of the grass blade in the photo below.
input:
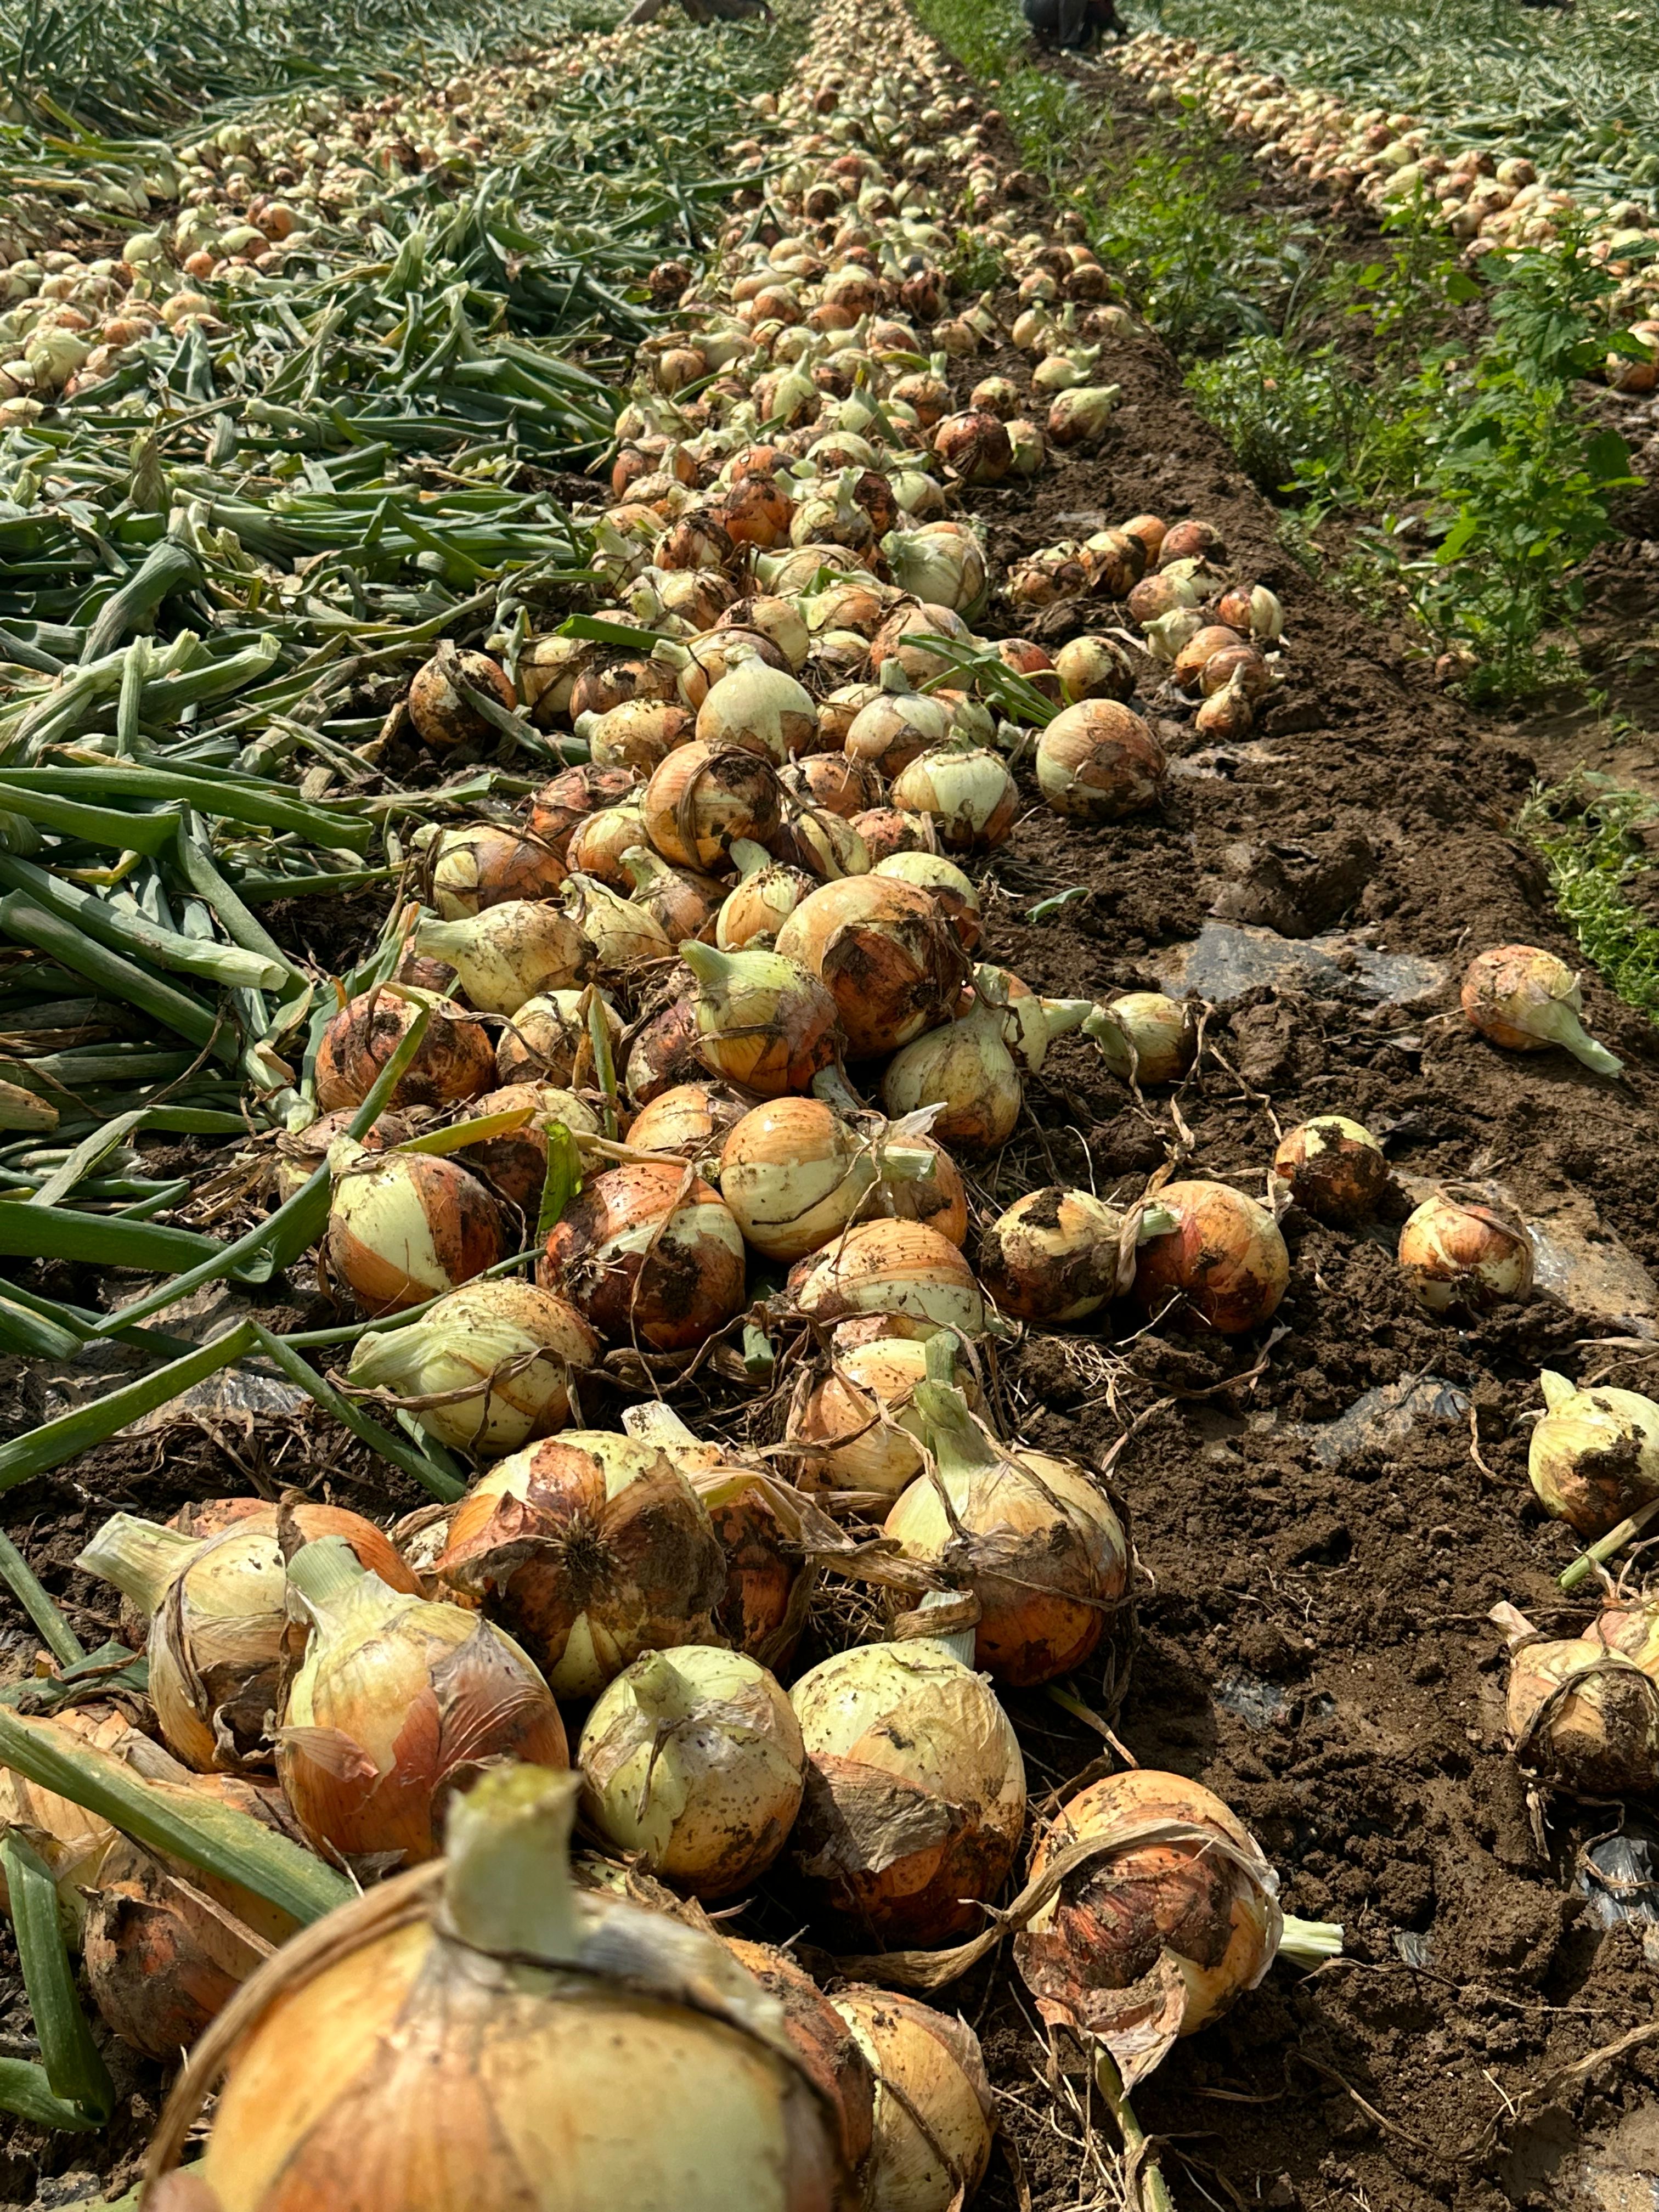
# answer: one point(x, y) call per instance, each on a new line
point(56, 1633)
point(73, 2065)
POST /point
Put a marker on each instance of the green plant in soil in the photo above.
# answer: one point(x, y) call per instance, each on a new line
point(1586, 832)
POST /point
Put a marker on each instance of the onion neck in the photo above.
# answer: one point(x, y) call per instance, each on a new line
point(713, 969)
point(508, 1889)
point(1064, 1014)
point(958, 1444)
point(1305, 1942)
point(644, 869)
point(1557, 1389)
point(960, 1644)
point(446, 937)
point(140, 1559)
point(331, 1580)
point(749, 858)
point(659, 1690)
point(830, 1085)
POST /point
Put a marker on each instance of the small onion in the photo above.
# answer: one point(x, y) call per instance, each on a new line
point(1095, 668)
point(648, 1253)
point(934, 2112)
point(1099, 762)
point(897, 727)
point(546, 1038)
point(1529, 1000)
point(895, 1268)
point(1159, 595)
point(1223, 1264)
point(519, 950)
point(598, 842)
point(966, 1069)
point(884, 952)
point(1201, 646)
point(1593, 1458)
point(967, 791)
point(944, 883)
point(682, 904)
point(704, 798)
point(443, 716)
point(1584, 1717)
point(693, 1760)
point(760, 1019)
point(692, 1120)
point(974, 446)
point(558, 806)
point(1189, 541)
point(397, 1703)
point(403, 1227)
point(622, 933)
point(1080, 417)
point(767, 894)
point(1146, 1037)
point(1459, 1253)
point(453, 1061)
point(591, 1549)
point(836, 780)
point(915, 1790)
point(481, 865)
point(1053, 1255)
point(1333, 1169)
point(548, 669)
point(489, 1367)
point(857, 1427)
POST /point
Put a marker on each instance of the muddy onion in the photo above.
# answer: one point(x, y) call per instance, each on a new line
point(1593, 1458)
point(945, 884)
point(453, 1062)
point(590, 1548)
point(1095, 668)
point(857, 1428)
point(704, 798)
point(967, 791)
point(648, 1255)
point(895, 1268)
point(1584, 1717)
point(1145, 1036)
point(794, 1174)
point(966, 1069)
point(570, 797)
point(692, 1120)
point(974, 446)
point(403, 1227)
point(766, 895)
point(511, 952)
point(693, 1760)
point(482, 864)
point(760, 1019)
point(543, 1040)
point(398, 1702)
point(443, 714)
point(1187, 670)
point(759, 709)
point(895, 727)
point(1455, 1252)
point(885, 953)
point(1333, 1169)
point(1099, 762)
point(1529, 1000)
point(1224, 1265)
point(1052, 1256)
point(486, 1369)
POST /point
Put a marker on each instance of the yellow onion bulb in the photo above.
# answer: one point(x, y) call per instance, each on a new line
point(546, 1038)
point(893, 641)
point(895, 728)
point(965, 1068)
point(950, 890)
point(794, 1174)
point(692, 1761)
point(759, 709)
point(548, 669)
point(704, 798)
point(760, 1019)
point(599, 841)
point(1200, 648)
point(1052, 1256)
point(624, 932)
point(691, 1120)
point(1529, 1000)
point(886, 830)
point(638, 735)
point(453, 1062)
point(885, 953)
point(1145, 1037)
point(590, 1548)
point(71, 1842)
point(513, 1164)
point(663, 1050)
point(915, 1721)
point(858, 1427)
point(1155, 1936)
point(519, 950)
point(649, 1255)
point(571, 795)
point(475, 2032)
point(682, 904)
point(1593, 1458)
point(825, 2044)
point(934, 2112)
point(968, 792)
point(835, 780)
point(1584, 1718)
point(218, 1618)
point(1333, 1169)
point(764, 897)
point(1035, 1538)
point(301, 1153)
point(1091, 668)
point(895, 1268)
point(777, 619)
point(487, 1369)
point(821, 844)
point(1224, 1266)
point(482, 863)
point(403, 1227)
point(1097, 762)
point(399, 1702)
point(1458, 1253)
point(444, 717)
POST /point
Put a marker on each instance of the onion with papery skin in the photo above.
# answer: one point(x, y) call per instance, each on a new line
point(1158, 595)
point(1081, 416)
point(1201, 646)
point(548, 669)
point(1236, 668)
point(760, 1019)
point(884, 952)
point(71, 1842)
point(759, 709)
point(1146, 1037)
point(300, 1152)
point(218, 1626)
point(454, 1061)
point(966, 1069)
point(935, 2112)
point(622, 933)
point(794, 1174)
point(1332, 1168)
point(778, 620)
point(857, 1428)
point(1053, 1255)
point(590, 1548)
point(544, 1039)
point(1463, 1253)
point(441, 713)
point(1189, 541)
point(767, 894)
point(821, 844)
point(1253, 609)
point(915, 1790)
point(895, 1268)
point(598, 842)
point(1098, 761)
point(898, 725)
point(1584, 1718)
point(1035, 1538)
point(886, 830)
point(974, 446)
point(825, 2045)
point(558, 806)
point(1529, 1000)
point(663, 1051)
point(703, 798)
point(519, 950)
point(892, 642)
point(692, 1120)
point(648, 1255)
point(681, 903)
point(1223, 1266)
point(693, 1760)
point(489, 1368)
point(403, 1227)
point(1095, 668)
point(397, 1703)
point(1172, 1917)
point(944, 883)
point(942, 567)
point(482, 864)
point(1593, 1458)
point(638, 735)
point(969, 792)
point(432, 2040)
point(835, 780)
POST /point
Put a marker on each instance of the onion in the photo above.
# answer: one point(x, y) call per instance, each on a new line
point(794, 1174)
point(1584, 1717)
point(974, 446)
point(1201, 646)
point(1099, 762)
point(300, 1152)
point(822, 845)
point(759, 709)
point(646, 1253)
point(915, 1790)
point(399, 1702)
point(621, 933)
point(967, 791)
point(548, 669)
point(778, 620)
point(897, 726)
point(1145, 1037)
point(1151, 531)
point(996, 395)
point(966, 1069)
point(1226, 716)
point(1529, 1000)
point(836, 780)
point(885, 953)
point(591, 1549)
point(693, 1760)
point(71, 1842)
point(481, 865)
point(857, 1428)
point(1055, 1254)
point(1116, 563)
point(951, 892)
point(1189, 541)
point(681, 903)
point(892, 640)
point(436, 2038)
point(489, 1367)
point(1095, 668)
point(704, 798)
point(1169, 637)
point(1458, 1253)
point(692, 1120)
point(1593, 1458)
point(1080, 416)
point(558, 806)
point(638, 735)
point(598, 842)
point(218, 1626)
point(1036, 1538)
point(1223, 1264)
point(895, 1268)
point(443, 716)
point(1252, 608)
point(935, 2112)
point(1236, 669)
point(1030, 453)
point(547, 1037)
point(938, 564)
point(404, 1226)
point(760, 1019)
point(1171, 1918)
point(1333, 1169)
point(453, 1061)
point(886, 830)
point(825, 2045)
point(1159, 595)
point(508, 953)
point(664, 1050)
point(767, 894)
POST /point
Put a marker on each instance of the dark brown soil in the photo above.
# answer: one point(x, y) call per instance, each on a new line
point(1316, 1645)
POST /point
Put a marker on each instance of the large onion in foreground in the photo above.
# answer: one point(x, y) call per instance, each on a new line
point(487, 1369)
point(934, 2110)
point(647, 1253)
point(1593, 1458)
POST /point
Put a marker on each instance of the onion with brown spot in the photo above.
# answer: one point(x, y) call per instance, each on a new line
point(1333, 1169)
point(453, 1062)
point(885, 953)
point(1224, 1266)
point(648, 1255)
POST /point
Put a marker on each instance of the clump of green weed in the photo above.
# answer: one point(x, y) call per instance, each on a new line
point(1583, 831)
